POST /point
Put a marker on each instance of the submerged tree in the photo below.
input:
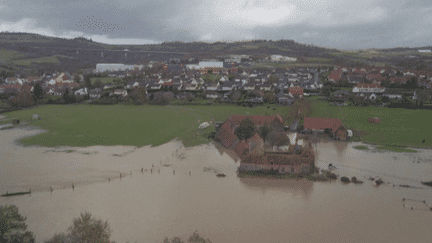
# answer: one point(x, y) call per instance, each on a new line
point(85, 230)
point(12, 226)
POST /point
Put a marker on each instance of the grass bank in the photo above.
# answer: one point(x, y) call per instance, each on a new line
point(399, 127)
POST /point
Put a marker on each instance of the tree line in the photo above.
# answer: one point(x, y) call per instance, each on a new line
point(85, 229)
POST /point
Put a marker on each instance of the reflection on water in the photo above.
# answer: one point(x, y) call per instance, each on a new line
point(146, 207)
point(294, 187)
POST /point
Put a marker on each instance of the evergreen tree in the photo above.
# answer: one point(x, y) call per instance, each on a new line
point(38, 93)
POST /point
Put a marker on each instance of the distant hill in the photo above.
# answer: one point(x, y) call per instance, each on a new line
point(37, 51)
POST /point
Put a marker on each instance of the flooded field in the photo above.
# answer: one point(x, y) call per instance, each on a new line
point(178, 192)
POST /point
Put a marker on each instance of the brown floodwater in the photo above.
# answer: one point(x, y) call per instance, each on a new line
point(146, 207)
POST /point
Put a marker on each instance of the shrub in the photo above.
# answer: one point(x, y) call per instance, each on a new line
point(345, 179)
point(354, 179)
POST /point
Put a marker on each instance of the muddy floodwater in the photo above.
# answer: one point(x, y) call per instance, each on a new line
point(178, 192)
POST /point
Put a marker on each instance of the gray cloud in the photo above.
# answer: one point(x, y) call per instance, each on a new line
point(331, 23)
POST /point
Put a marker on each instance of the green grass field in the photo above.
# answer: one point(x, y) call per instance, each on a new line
point(105, 80)
point(89, 125)
point(398, 127)
point(28, 62)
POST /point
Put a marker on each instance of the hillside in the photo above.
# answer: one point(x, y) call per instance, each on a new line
point(24, 51)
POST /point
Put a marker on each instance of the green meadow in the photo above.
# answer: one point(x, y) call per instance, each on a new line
point(400, 127)
point(85, 125)
point(30, 61)
point(88, 125)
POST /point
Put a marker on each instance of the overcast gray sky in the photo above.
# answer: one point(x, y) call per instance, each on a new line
point(344, 24)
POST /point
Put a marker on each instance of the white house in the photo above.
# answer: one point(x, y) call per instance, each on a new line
point(120, 92)
point(82, 91)
point(368, 88)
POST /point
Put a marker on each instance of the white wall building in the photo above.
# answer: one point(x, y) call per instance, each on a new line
point(112, 67)
point(282, 58)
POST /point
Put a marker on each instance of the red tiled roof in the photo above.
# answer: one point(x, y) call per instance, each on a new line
point(241, 148)
point(322, 123)
point(377, 77)
point(335, 75)
point(255, 139)
point(401, 79)
point(296, 90)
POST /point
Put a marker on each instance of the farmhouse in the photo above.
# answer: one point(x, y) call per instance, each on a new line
point(283, 162)
point(333, 125)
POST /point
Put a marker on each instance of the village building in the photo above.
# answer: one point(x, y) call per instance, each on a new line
point(333, 125)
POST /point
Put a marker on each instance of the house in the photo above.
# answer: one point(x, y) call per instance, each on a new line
point(249, 86)
point(108, 86)
point(190, 86)
point(212, 86)
point(13, 80)
point(121, 92)
point(156, 86)
point(82, 91)
point(33, 79)
point(355, 78)
point(227, 86)
point(334, 126)
point(266, 87)
point(213, 95)
point(177, 86)
point(95, 94)
point(392, 94)
point(226, 136)
point(132, 84)
point(375, 78)
point(255, 141)
point(185, 95)
point(295, 92)
point(259, 159)
point(242, 149)
point(335, 75)
point(60, 91)
point(368, 88)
